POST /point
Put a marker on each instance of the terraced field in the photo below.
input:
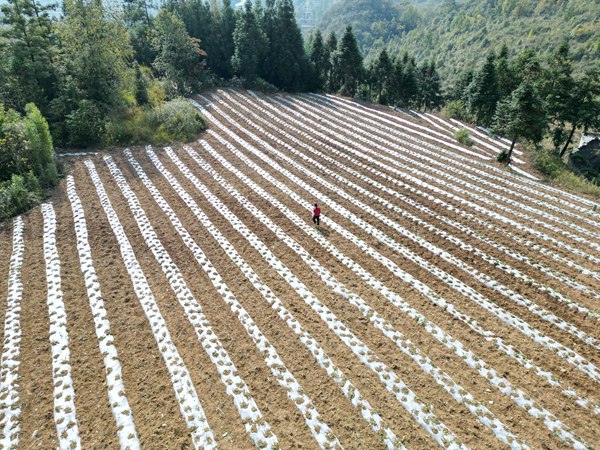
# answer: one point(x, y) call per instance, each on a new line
point(182, 297)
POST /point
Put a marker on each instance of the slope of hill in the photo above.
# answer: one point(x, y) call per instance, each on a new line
point(456, 33)
point(182, 297)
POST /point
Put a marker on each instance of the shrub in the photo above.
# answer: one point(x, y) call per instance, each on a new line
point(14, 197)
point(85, 125)
point(42, 159)
point(502, 156)
point(179, 120)
point(456, 110)
point(463, 137)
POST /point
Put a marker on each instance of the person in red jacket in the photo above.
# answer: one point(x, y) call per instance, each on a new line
point(316, 214)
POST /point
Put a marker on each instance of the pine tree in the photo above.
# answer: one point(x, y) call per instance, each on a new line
point(429, 96)
point(222, 46)
point(482, 93)
point(522, 115)
point(380, 74)
point(288, 59)
point(30, 73)
point(136, 14)
point(506, 78)
point(350, 62)
point(333, 77)
point(250, 45)
point(319, 57)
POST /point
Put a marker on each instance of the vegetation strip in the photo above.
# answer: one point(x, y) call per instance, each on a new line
point(65, 417)
point(189, 404)
point(10, 407)
point(121, 410)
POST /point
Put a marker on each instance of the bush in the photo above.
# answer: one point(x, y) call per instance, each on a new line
point(179, 120)
point(42, 159)
point(455, 110)
point(176, 120)
point(550, 164)
point(15, 197)
point(463, 137)
point(85, 125)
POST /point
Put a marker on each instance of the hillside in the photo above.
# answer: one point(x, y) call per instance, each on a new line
point(181, 297)
point(456, 33)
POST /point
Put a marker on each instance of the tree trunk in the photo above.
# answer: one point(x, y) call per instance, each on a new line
point(510, 150)
point(562, 152)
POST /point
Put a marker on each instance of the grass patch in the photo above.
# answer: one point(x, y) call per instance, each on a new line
point(550, 164)
point(173, 121)
point(463, 136)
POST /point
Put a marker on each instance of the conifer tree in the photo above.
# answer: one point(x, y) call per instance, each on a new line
point(136, 14)
point(333, 77)
point(29, 70)
point(522, 115)
point(222, 45)
point(349, 62)
point(250, 45)
point(429, 96)
point(319, 57)
point(288, 58)
point(482, 93)
point(380, 74)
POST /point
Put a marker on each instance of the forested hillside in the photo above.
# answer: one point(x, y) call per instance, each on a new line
point(455, 33)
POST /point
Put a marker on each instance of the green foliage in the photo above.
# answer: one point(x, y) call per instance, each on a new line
point(319, 58)
point(250, 45)
point(28, 164)
point(455, 109)
point(522, 115)
point(348, 62)
point(550, 164)
point(85, 125)
point(463, 136)
point(27, 57)
point(179, 58)
point(481, 95)
point(173, 121)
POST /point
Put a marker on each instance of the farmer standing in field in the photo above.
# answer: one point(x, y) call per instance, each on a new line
point(316, 214)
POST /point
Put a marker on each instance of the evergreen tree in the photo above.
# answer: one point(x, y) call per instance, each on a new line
point(141, 87)
point(585, 112)
point(405, 84)
point(505, 76)
point(349, 62)
point(30, 74)
point(319, 57)
point(380, 74)
point(40, 150)
point(482, 94)
point(289, 62)
point(179, 58)
point(222, 46)
point(429, 96)
point(250, 45)
point(333, 81)
point(522, 115)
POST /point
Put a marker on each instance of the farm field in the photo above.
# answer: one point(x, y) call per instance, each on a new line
point(182, 297)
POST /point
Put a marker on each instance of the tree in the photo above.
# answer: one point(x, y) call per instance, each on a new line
point(404, 84)
point(289, 63)
point(94, 68)
point(482, 93)
point(429, 96)
point(179, 58)
point(522, 115)
point(250, 44)
point(333, 77)
point(28, 36)
point(40, 151)
point(136, 14)
point(350, 62)
point(380, 74)
point(222, 45)
point(319, 57)
point(506, 78)
point(585, 112)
